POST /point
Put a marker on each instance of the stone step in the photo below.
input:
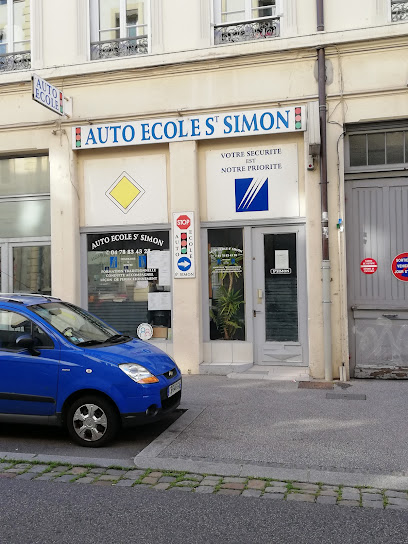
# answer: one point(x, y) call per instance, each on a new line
point(223, 369)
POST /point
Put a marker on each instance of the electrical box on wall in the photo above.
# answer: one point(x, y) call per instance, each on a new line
point(313, 128)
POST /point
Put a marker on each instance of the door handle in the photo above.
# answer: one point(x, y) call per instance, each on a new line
point(390, 316)
point(256, 312)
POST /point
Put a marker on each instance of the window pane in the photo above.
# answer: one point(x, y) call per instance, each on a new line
point(12, 325)
point(109, 17)
point(129, 280)
point(406, 147)
point(21, 25)
point(24, 176)
point(395, 147)
point(281, 297)
point(263, 8)
point(32, 269)
point(135, 18)
point(232, 10)
point(3, 27)
point(226, 274)
point(376, 148)
point(27, 217)
point(358, 153)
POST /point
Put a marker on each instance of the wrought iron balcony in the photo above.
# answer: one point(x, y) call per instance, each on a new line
point(15, 61)
point(246, 30)
point(399, 10)
point(109, 49)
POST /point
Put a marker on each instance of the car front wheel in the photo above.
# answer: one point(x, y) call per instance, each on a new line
point(92, 421)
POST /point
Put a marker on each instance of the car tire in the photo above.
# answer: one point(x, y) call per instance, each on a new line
point(92, 421)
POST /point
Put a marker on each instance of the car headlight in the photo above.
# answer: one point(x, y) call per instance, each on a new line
point(138, 373)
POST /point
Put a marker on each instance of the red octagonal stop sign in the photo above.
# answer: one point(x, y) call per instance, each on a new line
point(183, 222)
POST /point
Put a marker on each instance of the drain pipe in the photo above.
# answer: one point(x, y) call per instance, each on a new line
point(326, 275)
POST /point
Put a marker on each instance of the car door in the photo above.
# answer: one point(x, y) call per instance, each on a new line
point(28, 383)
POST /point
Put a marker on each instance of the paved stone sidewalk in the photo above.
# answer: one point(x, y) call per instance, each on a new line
point(175, 482)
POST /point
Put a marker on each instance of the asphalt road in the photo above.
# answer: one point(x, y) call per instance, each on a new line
point(52, 513)
point(56, 441)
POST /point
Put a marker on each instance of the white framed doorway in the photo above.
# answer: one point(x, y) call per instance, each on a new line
point(279, 296)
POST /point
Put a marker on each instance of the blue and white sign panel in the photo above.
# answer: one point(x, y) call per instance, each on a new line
point(47, 95)
point(252, 182)
point(183, 245)
point(198, 127)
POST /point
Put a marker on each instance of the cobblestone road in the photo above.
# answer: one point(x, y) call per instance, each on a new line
point(171, 481)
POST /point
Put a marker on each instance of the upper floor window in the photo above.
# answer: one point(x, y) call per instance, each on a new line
point(15, 35)
point(243, 20)
point(382, 149)
point(119, 28)
point(399, 10)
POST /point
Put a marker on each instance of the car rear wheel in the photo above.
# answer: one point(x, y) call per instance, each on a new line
point(92, 421)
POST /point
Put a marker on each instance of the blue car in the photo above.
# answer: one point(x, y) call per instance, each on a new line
point(60, 365)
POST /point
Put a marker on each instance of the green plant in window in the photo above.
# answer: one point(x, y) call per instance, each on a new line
point(227, 301)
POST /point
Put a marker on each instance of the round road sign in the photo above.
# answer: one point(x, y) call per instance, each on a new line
point(368, 266)
point(399, 267)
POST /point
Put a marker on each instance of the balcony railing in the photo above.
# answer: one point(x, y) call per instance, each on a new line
point(399, 11)
point(15, 61)
point(246, 30)
point(119, 48)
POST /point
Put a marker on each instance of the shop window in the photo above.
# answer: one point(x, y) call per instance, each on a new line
point(244, 20)
point(15, 40)
point(119, 28)
point(129, 280)
point(399, 11)
point(226, 284)
point(24, 197)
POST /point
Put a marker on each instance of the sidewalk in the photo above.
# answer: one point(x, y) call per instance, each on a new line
point(354, 434)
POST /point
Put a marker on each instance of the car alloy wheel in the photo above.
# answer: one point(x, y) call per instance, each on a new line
point(92, 421)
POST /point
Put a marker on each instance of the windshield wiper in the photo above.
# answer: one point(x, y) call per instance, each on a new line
point(118, 338)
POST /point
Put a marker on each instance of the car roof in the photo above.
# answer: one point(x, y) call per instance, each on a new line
point(27, 299)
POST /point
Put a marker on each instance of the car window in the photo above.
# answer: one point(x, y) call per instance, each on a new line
point(13, 325)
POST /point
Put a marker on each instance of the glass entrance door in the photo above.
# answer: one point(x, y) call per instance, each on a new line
point(279, 296)
point(25, 267)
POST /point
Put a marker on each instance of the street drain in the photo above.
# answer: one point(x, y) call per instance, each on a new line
point(346, 396)
point(315, 385)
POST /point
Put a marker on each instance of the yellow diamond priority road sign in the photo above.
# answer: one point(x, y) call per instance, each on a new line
point(125, 192)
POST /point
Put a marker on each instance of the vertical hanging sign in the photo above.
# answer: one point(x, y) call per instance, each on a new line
point(183, 245)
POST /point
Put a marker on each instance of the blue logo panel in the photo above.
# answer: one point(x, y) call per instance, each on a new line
point(251, 195)
point(113, 262)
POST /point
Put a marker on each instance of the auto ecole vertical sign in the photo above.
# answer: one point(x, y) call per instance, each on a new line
point(183, 245)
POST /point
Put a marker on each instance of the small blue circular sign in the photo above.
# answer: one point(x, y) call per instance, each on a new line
point(184, 264)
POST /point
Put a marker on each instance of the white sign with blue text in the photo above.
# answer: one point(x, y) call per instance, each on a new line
point(47, 95)
point(197, 127)
point(252, 182)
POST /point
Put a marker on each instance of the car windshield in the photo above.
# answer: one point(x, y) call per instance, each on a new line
point(77, 325)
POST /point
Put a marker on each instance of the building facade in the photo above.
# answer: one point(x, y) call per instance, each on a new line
point(182, 186)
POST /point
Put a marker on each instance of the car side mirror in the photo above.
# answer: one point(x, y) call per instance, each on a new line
point(25, 341)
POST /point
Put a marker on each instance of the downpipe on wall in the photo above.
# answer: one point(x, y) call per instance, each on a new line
point(326, 269)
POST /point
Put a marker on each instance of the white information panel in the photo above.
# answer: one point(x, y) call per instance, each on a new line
point(183, 245)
